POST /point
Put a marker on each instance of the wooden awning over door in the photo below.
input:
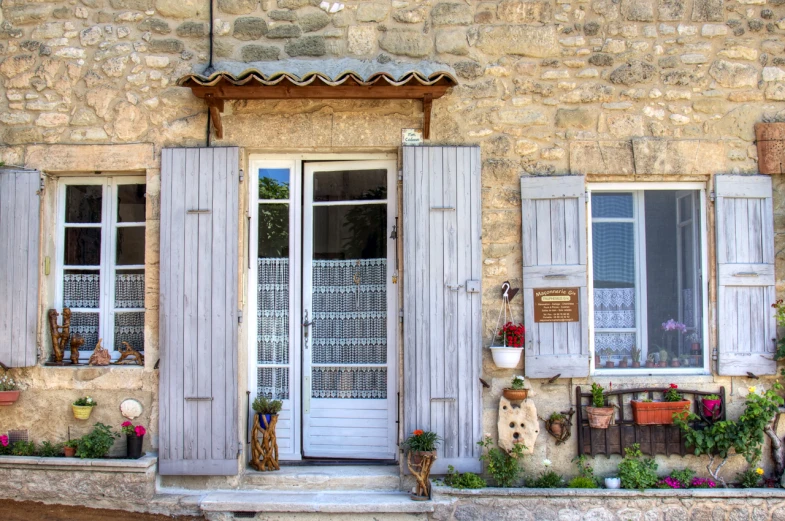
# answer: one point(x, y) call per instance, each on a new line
point(321, 79)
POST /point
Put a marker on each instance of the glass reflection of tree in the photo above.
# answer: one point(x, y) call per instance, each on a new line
point(273, 219)
point(366, 227)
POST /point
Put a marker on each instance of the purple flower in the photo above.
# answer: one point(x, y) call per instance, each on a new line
point(672, 325)
point(702, 483)
point(669, 482)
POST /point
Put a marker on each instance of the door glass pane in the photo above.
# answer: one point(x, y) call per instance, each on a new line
point(350, 185)
point(130, 245)
point(82, 246)
point(83, 203)
point(81, 289)
point(346, 232)
point(273, 183)
point(130, 203)
point(129, 328)
point(273, 230)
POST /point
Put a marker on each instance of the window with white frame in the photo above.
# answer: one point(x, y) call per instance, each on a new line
point(648, 293)
point(100, 260)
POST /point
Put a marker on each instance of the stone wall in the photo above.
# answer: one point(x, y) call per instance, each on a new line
point(622, 90)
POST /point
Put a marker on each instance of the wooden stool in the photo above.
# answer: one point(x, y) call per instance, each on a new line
point(421, 470)
point(264, 452)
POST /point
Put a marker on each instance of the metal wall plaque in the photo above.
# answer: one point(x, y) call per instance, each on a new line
point(411, 137)
point(556, 305)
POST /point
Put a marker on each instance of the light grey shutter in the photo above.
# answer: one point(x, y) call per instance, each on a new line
point(198, 315)
point(554, 256)
point(19, 266)
point(745, 269)
point(442, 308)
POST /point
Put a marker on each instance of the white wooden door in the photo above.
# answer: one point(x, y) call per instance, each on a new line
point(349, 302)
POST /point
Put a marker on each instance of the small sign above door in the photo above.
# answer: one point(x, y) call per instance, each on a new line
point(411, 137)
point(556, 305)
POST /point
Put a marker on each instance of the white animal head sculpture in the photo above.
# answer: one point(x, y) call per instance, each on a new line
point(518, 424)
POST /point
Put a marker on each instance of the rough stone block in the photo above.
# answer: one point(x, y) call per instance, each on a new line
point(250, 28)
point(192, 30)
point(673, 157)
point(372, 12)
point(521, 40)
point(406, 42)
point(283, 16)
point(522, 117)
point(183, 9)
point(733, 75)
point(155, 25)
point(166, 46)
point(638, 10)
point(314, 21)
point(132, 5)
point(15, 65)
point(361, 39)
point(670, 10)
point(632, 73)
point(578, 118)
point(306, 46)
point(625, 125)
point(284, 31)
point(523, 12)
point(237, 6)
point(452, 41)
point(452, 14)
point(601, 157)
point(259, 53)
point(411, 15)
point(708, 11)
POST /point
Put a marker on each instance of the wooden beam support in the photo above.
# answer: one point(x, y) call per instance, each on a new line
point(427, 102)
point(216, 106)
point(289, 91)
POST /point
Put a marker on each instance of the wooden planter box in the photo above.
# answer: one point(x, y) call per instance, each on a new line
point(657, 413)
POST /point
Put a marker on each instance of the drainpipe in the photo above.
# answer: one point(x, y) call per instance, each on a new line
point(209, 70)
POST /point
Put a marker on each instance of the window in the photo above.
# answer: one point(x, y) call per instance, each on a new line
point(100, 260)
point(647, 287)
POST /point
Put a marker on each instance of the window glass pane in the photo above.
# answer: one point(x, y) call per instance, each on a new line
point(81, 289)
point(273, 183)
point(82, 246)
point(86, 326)
point(130, 245)
point(129, 289)
point(130, 203)
point(273, 230)
point(83, 203)
point(350, 232)
point(350, 185)
point(611, 205)
point(129, 327)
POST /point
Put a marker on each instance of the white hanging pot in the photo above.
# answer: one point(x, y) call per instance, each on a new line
point(506, 357)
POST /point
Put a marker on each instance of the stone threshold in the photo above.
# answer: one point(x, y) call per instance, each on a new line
point(723, 493)
point(333, 502)
point(140, 465)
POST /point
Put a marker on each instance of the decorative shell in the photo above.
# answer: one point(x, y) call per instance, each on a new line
point(131, 408)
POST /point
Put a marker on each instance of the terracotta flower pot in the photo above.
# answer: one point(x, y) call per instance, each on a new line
point(622, 364)
point(8, 397)
point(657, 413)
point(557, 428)
point(636, 365)
point(599, 417)
point(662, 364)
point(709, 406)
point(650, 364)
point(609, 364)
point(675, 363)
point(515, 394)
point(69, 452)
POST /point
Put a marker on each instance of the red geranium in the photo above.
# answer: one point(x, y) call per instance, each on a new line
point(512, 335)
point(140, 431)
point(418, 432)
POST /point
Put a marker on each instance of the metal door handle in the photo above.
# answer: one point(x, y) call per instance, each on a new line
point(306, 327)
point(454, 287)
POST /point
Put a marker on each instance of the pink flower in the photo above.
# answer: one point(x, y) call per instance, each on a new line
point(127, 424)
point(140, 431)
point(4, 440)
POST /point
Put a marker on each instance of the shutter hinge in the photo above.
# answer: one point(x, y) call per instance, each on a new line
point(239, 316)
point(712, 196)
point(40, 186)
point(400, 175)
point(400, 315)
point(714, 354)
point(242, 175)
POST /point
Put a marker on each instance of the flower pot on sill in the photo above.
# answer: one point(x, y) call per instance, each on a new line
point(697, 360)
point(134, 446)
point(82, 412)
point(506, 357)
point(8, 397)
point(613, 483)
point(675, 363)
point(657, 413)
point(599, 417)
point(69, 452)
point(662, 364)
point(650, 364)
point(622, 364)
point(709, 406)
point(636, 365)
point(696, 347)
point(609, 364)
point(515, 394)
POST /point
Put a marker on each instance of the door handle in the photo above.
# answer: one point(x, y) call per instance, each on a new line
point(306, 327)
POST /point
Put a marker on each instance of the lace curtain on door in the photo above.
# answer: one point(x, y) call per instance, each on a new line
point(350, 328)
point(272, 335)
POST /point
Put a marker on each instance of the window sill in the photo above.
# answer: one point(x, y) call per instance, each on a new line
point(70, 367)
point(651, 378)
point(140, 465)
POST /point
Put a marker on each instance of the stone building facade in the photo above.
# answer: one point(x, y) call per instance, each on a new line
point(619, 91)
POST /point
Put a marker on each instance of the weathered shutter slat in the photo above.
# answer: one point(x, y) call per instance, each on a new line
point(745, 266)
point(554, 256)
point(19, 255)
point(442, 329)
point(199, 255)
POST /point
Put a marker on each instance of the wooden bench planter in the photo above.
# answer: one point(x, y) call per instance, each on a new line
point(654, 439)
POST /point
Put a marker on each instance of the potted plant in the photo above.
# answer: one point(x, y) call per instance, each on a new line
point(663, 360)
point(675, 362)
point(135, 437)
point(650, 361)
point(600, 414)
point(695, 343)
point(623, 363)
point(684, 360)
point(646, 412)
point(266, 409)
point(613, 482)
point(9, 390)
point(509, 353)
point(96, 443)
point(82, 407)
point(69, 448)
point(710, 404)
point(420, 450)
point(636, 357)
point(516, 391)
point(556, 424)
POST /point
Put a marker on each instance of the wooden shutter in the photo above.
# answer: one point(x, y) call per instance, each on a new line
point(199, 311)
point(554, 256)
point(745, 270)
point(19, 268)
point(442, 313)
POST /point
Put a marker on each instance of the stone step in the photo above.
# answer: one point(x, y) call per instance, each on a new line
point(325, 478)
point(336, 502)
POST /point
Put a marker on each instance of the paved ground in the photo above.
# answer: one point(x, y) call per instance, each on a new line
point(30, 511)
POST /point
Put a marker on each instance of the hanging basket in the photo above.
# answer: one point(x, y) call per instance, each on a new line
point(506, 357)
point(82, 412)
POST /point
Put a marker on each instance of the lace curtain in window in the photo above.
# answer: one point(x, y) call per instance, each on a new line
point(614, 309)
point(272, 334)
point(129, 327)
point(86, 326)
point(81, 290)
point(129, 290)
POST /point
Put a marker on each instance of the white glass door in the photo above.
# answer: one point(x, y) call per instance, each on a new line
point(349, 302)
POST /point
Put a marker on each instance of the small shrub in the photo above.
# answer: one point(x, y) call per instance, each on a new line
point(421, 441)
point(518, 383)
point(8, 384)
point(684, 477)
point(502, 465)
point(85, 401)
point(264, 405)
point(97, 443)
point(465, 480)
point(636, 472)
point(50, 450)
point(750, 478)
point(24, 448)
point(547, 479)
point(597, 395)
point(582, 482)
point(586, 471)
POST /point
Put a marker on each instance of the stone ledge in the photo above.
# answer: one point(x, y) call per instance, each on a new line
point(323, 502)
point(722, 493)
point(140, 465)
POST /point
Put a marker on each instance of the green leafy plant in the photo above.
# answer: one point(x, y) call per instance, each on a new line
point(503, 466)
point(683, 476)
point(8, 384)
point(47, 449)
point(582, 482)
point(24, 448)
point(711, 397)
point(557, 416)
point(546, 479)
point(96, 443)
point(672, 395)
point(635, 352)
point(585, 470)
point(636, 471)
point(465, 480)
point(422, 441)
point(85, 401)
point(750, 478)
point(518, 383)
point(597, 395)
point(72, 444)
point(264, 405)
